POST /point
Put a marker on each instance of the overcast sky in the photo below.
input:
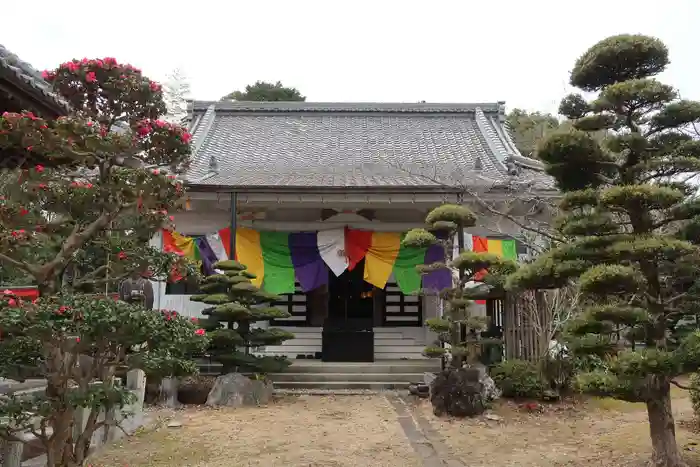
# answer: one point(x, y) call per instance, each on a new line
point(518, 51)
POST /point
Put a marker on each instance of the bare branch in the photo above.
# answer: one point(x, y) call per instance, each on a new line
point(679, 385)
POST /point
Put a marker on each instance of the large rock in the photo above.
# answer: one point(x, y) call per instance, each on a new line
point(460, 392)
point(236, 390)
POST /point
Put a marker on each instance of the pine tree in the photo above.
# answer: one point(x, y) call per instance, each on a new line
point(239, 304)
point(458, 326)
point(176, 92)
point(632, 220)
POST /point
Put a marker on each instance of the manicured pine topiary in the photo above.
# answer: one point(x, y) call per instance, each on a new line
point(632, 220)
point(448, 393)
point(443, 222)
point(237, 304)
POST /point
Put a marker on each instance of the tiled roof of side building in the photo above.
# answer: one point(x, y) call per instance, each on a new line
point(355, 145)
point(23, 75)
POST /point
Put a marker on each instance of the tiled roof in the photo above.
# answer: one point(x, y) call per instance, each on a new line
point(355, 145)
point(23, 75)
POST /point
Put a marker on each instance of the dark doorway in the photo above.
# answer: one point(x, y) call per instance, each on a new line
point(350, 297)
point(348, 334)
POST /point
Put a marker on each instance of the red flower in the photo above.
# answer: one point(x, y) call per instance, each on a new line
point(45, 74)
point(154, 86)
point(62, 309)
point(200, 332)
point(77, 340)
point(194, 320)
point(12, 302)
point(156, 172)
point(23, 212)
point(143, 129)
point(89, 185)
point(39, 168)
point(29, 148)
point(7, 292)
point(90, 77)
point(89, 123)
point(172, 218)
point(122, 255)
point(186, 137)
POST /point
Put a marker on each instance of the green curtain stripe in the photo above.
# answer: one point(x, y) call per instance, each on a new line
point(509, 250)
point(277, 258)
point(407, 276)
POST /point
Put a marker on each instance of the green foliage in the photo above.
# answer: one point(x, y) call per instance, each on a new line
point(458, 299)
point(575, 160)
point(617, 59)
point(628, 213)
point(457, 214)
point(240, 304)
point(695, 394)
point(419, 238)
point(264, 91)
point(610, 279)
point(573, 106)
point(80, 197)
point(518, 379)
point(528, 128)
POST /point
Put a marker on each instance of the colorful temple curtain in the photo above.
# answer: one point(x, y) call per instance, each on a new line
point(280, 259)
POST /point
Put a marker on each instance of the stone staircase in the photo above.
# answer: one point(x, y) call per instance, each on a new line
point(389, 343)
point(378, 375)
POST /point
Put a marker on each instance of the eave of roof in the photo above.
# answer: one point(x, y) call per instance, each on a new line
point(27, 80)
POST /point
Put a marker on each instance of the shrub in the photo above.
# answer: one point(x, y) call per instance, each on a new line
point(518, 379)
point(558, 371)
point(695, 394)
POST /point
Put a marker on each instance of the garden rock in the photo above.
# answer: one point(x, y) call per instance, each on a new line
point(460, 392)
point(237, 390)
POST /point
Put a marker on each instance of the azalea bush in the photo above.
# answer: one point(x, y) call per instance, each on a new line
point(78, 342)
point(80, 198)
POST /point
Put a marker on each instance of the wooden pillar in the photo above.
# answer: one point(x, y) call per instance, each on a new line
point(234, 224)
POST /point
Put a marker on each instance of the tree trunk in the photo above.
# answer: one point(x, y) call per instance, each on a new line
point(665, 451)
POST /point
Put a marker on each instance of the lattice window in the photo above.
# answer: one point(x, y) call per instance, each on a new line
point(296, 305)
point(400, 309)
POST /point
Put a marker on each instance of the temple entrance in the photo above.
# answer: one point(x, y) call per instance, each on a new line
point(348, 334)
point(350, 297)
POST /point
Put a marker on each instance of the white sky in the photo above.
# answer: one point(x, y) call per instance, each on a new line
point(519, 51)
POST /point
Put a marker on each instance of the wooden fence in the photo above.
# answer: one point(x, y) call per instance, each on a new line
point(524, 322)
point(130, 418)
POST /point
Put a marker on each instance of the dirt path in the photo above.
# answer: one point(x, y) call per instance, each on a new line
point(308, 431)
point(603, 433)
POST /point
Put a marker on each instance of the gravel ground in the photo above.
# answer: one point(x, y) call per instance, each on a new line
point(600, 433)
point(295, 431)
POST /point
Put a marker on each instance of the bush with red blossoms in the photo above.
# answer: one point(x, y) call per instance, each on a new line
point(84, 339)
point(80, 198)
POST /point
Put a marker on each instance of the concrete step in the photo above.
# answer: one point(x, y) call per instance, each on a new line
point(399, 340)
point(376, 367)
point(301, 341)
point(383, 356)
point(372, 385)
point(390, 348)
point(352, 377)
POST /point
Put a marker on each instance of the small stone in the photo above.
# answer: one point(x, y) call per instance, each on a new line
point(174, 424)
point(492, 417)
